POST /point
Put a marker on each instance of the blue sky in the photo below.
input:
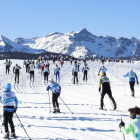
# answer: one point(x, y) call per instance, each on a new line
point(30, 18)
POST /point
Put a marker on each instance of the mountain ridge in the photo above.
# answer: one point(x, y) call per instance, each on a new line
point(81, 43)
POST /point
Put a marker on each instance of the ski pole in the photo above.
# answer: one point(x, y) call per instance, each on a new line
point(0, 118)
point(124, 86)
point(21, 76)
point(22, 125)
point(111, 101)
point(11, 78)
point(123, 133)
point(49, 101)
point(66, 105)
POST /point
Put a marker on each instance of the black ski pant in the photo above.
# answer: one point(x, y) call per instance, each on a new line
point(75, 77)
point(61, 64)
point(71, 62)
point(54, 61)
point(85, 75)
point(27, 68)
point(8, 118)
point(132, 86)
point(110, 96)
point(16, 76)
point(54, 99)
point(31, 75)
point(7, 69)
point(46, 74)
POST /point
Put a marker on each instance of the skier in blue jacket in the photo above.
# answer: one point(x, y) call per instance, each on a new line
point(132, 75)
point(10, 104)
point(56, 89)
point(56, 72)
point(85, 70)
point(75, 71)
point(102, 69)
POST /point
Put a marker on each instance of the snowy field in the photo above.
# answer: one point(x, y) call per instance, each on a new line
point(87, 122)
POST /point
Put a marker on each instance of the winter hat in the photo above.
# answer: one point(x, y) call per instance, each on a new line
point(8, 87)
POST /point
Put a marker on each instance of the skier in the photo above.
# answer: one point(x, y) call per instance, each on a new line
point(105, 89)
point(54, 59)
point(27, 66)
point(7, 66)
point(134, 124)
point(85, 70)
point(39, 66)
point(56, 72)
point(31, 67)
point(10, 63)
point(10, 104)
point(56, 89)
point(75, 71)
point(61, 61)
point(71, 61)
point(42, 68)
point(79, 64)
point(16, 71)
point(33, 61)
point(24, 63)
point(46, 73)
point(132, 75)
point(48, 64)
point(102, 69)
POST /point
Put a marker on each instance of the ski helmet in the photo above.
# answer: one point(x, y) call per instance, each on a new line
point(16, 64)
point(131, 69)
point(8, 87)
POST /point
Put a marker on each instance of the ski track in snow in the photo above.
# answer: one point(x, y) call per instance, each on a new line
point(87, 122)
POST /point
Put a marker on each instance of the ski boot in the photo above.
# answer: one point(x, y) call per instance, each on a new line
point(101, 108)
point(54, 111)
point(132, 94)
point(6, 136)
point(58, 110)
point(13, 135)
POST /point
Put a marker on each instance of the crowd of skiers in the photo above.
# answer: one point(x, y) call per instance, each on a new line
point(10, 106)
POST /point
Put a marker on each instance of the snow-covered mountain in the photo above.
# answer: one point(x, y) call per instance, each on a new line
point(7, 45)
point(84, 43)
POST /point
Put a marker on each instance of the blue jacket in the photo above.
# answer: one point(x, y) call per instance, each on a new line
point(56, 70)
point(9, 99)
point(132, 75)
point(54, 87)
point(103, 69)
point(75, 69)
point(85, 68)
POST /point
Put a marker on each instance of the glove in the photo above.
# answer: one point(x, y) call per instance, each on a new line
point(15, 110)
point(123, 75)
point(54, 73)
point(121, 124)
point(99, 89)
point(98, 74)
point(137, 82)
